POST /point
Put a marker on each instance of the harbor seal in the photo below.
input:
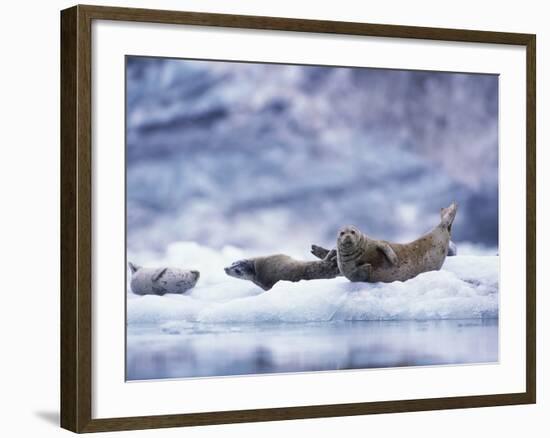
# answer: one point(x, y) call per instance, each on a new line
point(361, 258)
point(267, 271)
point(321, 253)
point(160, 281)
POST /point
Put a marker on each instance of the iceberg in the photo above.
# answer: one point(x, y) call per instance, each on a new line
point(465, 288)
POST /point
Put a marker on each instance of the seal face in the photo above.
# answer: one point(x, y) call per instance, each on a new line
point(243, 269)
point(361, 258)
point(349, 238)
point(160, 281)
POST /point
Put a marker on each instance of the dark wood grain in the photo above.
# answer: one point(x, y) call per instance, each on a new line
point(76, 233)
point(84, 217)
point(69, 327)
point(300, 25)
point(531, 213)
point(76, 219)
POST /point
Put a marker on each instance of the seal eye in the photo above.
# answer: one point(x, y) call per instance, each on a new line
point(341, 233)
point(238, 271)
point(352, 232)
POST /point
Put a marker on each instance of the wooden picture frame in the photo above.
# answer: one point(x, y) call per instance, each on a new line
point(76, 217)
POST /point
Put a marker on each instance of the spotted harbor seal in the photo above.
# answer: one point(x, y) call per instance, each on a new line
point(320, 252)
point(267, 271)
point(160, 281)
point(361, 258)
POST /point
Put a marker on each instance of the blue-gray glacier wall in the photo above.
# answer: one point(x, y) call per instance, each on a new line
point(254, 154)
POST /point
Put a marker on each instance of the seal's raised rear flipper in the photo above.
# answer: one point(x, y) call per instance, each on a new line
point(448, 215)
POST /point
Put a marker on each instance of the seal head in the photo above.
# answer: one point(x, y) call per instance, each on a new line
point(243, 269)
point(349, 237)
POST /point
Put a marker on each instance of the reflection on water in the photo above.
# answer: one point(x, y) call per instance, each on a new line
point(198, 349)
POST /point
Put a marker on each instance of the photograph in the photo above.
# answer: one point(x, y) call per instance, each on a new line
point(285, 218)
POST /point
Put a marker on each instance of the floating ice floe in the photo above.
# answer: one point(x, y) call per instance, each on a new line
point(466, 287)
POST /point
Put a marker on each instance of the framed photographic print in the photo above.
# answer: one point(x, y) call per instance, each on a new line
point(271, 218)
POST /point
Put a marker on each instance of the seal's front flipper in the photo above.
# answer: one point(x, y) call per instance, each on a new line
point(448, 215)
point(265, 286)
point(389, 253)
point(361, 273)
point(331, 256)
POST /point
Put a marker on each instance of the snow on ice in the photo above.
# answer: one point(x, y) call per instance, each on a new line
point(466, 287)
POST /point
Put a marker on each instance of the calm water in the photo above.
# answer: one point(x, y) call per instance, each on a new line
point(198, 350)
